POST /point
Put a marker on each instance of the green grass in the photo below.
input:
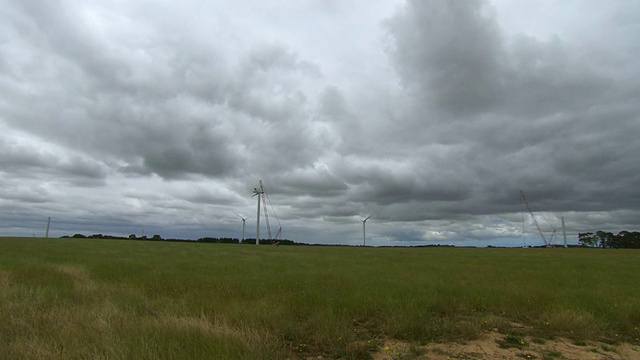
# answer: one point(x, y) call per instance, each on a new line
point(84, 298)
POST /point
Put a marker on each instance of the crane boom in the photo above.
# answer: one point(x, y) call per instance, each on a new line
point(266, 213)
point(535, 222)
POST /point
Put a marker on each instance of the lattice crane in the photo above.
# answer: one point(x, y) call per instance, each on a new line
point(535, 222)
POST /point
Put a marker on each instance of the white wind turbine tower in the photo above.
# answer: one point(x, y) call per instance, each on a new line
point(364, 236)
point(259, 193)
point(243, 220)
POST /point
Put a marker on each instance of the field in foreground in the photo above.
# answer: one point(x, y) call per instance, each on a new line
point(85, 298)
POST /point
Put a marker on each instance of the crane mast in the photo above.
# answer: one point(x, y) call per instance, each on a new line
point(535, 222)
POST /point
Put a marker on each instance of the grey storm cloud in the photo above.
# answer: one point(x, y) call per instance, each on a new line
point(521, 109)
point(432, 114)
point(451, 54)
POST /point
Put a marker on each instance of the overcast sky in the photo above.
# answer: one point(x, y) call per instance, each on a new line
point(119, 117)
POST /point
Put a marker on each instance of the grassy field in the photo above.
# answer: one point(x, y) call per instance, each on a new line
point(84, 298)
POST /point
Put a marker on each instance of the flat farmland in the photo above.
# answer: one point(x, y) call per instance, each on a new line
point(124, 299)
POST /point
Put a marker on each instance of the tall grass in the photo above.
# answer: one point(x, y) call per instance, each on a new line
point(85, 298)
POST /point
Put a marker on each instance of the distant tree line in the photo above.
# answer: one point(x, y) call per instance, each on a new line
point(202, 239)
point(218, 240)
point(623, 240)
point(271, 242)
point(130, 237)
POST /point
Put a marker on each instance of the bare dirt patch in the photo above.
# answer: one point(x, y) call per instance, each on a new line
point(493, 346)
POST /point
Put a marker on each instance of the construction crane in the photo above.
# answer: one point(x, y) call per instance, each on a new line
point(535, 222)
point(264, 198)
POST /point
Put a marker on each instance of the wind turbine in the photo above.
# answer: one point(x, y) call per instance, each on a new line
point(364, 237)
point(243, 220)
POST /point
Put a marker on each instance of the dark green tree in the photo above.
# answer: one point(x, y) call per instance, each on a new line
point(626, 240)
point(587, 239)
point(605, 239)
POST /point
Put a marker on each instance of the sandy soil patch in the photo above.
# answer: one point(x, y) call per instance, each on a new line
point(493, 346)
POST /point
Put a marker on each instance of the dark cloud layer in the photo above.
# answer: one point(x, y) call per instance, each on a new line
point(432, 114)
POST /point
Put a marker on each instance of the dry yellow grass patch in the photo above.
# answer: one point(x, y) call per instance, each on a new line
point(79, 275)
point(4, 279)
point(216, 326)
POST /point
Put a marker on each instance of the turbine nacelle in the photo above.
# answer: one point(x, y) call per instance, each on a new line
point(367, 218)
point(238, 215)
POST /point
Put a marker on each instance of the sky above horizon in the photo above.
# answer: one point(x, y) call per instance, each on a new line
point(122, 117)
